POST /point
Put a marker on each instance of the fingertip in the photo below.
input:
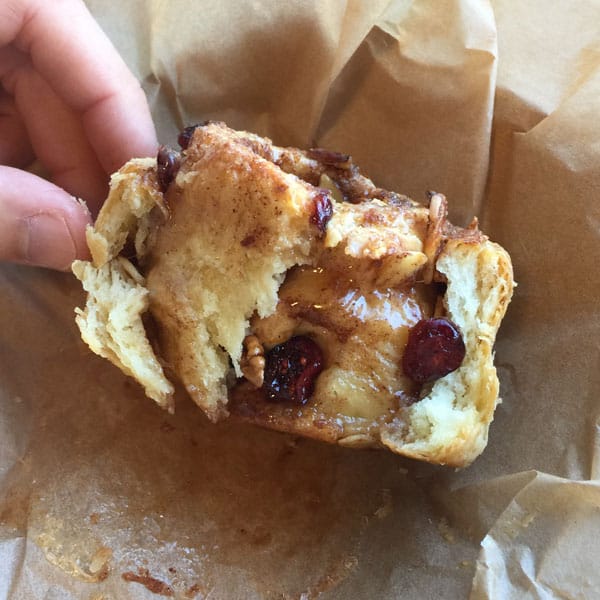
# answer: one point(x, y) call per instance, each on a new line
point(42, 225)
point(46, 240)
point(55, 237)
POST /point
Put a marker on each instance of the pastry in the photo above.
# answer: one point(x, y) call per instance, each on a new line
point(284, 288)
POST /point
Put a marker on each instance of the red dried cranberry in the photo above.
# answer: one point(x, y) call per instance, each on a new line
point(322, 210)
point(167, 165)
point(291, 370)
point(435, 348)
point(186, 135)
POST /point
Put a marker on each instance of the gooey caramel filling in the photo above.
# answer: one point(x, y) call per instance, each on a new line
point(362, 329)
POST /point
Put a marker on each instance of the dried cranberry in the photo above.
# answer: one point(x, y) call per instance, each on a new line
point(186, 135)
point(322, 210)
point(167, 165)
point(291, 370)
point(435, 348)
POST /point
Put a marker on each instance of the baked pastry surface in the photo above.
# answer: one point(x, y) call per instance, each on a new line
point(236, 245)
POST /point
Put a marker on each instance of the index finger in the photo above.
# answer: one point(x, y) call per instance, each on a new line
point(70, 50)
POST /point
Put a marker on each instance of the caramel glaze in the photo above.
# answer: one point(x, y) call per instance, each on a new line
point(362, 330)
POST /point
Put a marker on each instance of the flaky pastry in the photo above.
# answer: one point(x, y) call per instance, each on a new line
point(283, 288)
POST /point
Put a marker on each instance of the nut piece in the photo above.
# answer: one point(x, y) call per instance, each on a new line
point(253, 361)
point(438, 211)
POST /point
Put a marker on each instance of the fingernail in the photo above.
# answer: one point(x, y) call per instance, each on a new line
point(47, 241)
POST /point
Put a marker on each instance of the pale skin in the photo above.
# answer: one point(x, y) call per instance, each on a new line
point(68, 100)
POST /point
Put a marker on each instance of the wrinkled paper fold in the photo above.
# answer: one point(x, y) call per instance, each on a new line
point(103, 495)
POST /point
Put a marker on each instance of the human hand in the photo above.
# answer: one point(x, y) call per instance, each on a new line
point(67, 99)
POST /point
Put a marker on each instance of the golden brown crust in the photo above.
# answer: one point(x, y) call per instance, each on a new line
point(236, 250)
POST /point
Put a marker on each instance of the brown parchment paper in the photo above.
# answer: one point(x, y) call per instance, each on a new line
point(104, 496)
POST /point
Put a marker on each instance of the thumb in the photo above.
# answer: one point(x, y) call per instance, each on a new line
point(40, 223)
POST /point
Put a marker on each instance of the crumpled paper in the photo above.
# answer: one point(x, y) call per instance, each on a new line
point(103, 495)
